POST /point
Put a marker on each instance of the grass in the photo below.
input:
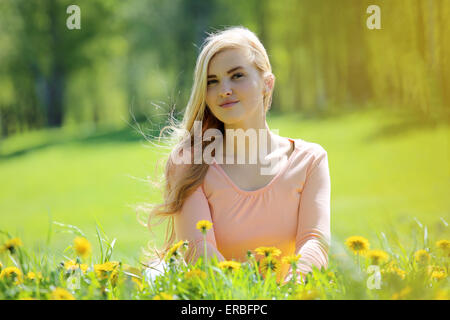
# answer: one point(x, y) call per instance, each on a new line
point(388, 173)
point(356, 274)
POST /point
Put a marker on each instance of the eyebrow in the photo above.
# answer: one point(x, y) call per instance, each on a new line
point(229, 71)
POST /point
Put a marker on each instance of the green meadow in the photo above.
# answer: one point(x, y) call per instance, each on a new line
point(390, 174)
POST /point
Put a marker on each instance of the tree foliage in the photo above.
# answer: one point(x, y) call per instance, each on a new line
point(137, 57)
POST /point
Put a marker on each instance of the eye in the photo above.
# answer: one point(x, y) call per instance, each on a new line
point(238, 75)
point(211, 82)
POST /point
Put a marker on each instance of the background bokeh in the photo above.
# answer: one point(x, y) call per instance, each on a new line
point(74, 105)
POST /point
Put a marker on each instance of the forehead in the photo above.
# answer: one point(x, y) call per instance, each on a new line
point(227, 59)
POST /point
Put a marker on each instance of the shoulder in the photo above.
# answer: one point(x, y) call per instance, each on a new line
point(309, 154)
point(309, 147)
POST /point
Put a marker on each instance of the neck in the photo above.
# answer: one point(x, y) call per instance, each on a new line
point(253, 137)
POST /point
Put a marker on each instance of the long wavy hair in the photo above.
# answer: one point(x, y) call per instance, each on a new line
point(182, 180)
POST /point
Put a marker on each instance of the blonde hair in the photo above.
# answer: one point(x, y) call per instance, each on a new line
point(182, 180)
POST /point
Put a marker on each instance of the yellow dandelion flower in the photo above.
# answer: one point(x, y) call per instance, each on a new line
point(107, 266)
point(12, 273)
point(34, 276)
point(61, 294)
point(394, 270)
point(229, 265)
point(31, 275)
point(444, 246)
point(269, 263)
point(204, 225)
point(82, 247)
point(11, 245)
point(432, 268)
point(268, 251)
point(84, 267)
point(291, 259)
point(436, 272)
point(163, 296)
point(107, 270)
point(438, 275)
point(377, 256)
point(422, 256)
point(173, 251)
point(71, 265)
point(402, 294)
point(401, 273)
point(391, 268)
point(195, 273)
point(357, 244)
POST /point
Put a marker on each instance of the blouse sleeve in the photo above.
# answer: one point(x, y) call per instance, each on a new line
point(196, 208)
point(313, 229)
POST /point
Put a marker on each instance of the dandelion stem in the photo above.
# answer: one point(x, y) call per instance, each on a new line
point(204, 247)
point(255, 264)
point(357, 257)
point(13, 260)
point(294, 273)
point(205, 264)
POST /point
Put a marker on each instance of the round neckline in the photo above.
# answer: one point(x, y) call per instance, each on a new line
point(271, 182)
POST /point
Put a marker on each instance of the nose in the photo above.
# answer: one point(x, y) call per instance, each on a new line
point(225, 91)
point(226, 94)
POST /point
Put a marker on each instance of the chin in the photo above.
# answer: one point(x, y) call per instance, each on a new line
point(229, 120)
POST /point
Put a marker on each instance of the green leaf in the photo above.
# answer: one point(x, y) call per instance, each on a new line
point(70, 229)
point(100, 243)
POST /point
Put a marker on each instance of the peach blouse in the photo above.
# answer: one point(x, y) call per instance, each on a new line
point(292, 213)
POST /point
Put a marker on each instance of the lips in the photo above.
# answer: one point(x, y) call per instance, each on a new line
point(229, 104)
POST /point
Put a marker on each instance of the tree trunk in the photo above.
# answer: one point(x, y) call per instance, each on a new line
point(55, 98)
point(57, 76)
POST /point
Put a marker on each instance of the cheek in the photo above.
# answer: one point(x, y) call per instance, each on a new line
point(251, 90)
point(211, 101)
point(209, 97)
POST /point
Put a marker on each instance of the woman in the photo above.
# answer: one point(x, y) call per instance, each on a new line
point(287, 207)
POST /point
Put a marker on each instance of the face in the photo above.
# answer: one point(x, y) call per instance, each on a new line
point(233, 78)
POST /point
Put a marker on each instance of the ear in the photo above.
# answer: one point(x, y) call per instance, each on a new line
point(269, 81)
